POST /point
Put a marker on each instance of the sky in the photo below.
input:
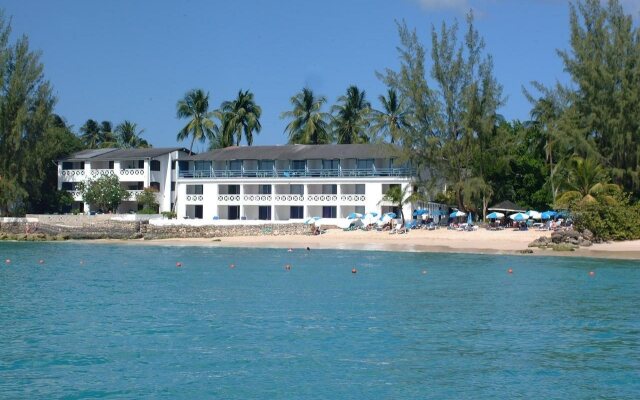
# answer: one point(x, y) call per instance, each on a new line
point(133, 60)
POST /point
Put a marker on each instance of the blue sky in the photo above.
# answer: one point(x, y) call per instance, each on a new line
point(123, 59)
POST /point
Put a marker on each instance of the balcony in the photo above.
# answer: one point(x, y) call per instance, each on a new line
point(72, 172)
point(101, 172)
point(290, 173)
point(132, 172)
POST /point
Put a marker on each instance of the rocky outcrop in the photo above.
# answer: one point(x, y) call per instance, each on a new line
point(216, 231)
point(564, 240)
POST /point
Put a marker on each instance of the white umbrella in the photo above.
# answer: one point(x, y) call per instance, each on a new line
point(369, 218)
point(384, 220)
point(457, 213)
point(534, 214)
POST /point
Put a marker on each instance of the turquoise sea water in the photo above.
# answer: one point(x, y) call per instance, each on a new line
point(126, 323)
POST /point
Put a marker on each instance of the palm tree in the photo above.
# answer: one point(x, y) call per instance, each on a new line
point(243, 115)
point(107, 138)
point(195, 107)
point(308, 124)
point(351, 117)
point(586, 183)
point(393, 119)
point(90, 134)
point(128, 136)
point(398, 197)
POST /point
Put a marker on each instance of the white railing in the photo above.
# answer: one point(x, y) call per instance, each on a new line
point(321, 198)
point(353, 198)
point(133, 171)
point(101, 172)
point(287, 198)
point(195, 197)
point(133, 194)
point(257, 198)
point(228, 198)
point(72, 172)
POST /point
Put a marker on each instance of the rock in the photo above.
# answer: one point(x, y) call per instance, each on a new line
point(587, 234)
point(585, 243)
point(564, 247)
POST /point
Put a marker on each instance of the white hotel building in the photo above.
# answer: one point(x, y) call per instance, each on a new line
point(270, 183)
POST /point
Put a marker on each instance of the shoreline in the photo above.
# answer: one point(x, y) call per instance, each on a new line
point(440, 241)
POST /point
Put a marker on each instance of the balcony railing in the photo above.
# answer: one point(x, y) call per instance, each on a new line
point(135, 171)
point(293, 173)
point(72, 172)
point(282, 198)
point(101, 172)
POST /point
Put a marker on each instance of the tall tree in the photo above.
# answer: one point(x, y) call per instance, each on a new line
point(200, 126)
point(26, 109)
point(129, 137)
point(454, 121)
point(351, 117)
point(242, 115)
point(604, 64)
point(308, 123)
point(393, 120)
point(586, 182)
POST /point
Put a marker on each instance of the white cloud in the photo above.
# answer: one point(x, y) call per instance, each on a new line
point(455, 5)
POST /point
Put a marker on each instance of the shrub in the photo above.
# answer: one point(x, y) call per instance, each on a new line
point(611, 220)
point(169, 214)
point(147, 199)
point(104, 192)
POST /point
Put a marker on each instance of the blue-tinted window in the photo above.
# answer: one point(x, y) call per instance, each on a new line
point(296, 212)
point(298, 165)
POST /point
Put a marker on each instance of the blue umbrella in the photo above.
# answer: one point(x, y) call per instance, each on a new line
point(519, 217)
point(551, 213)
point(495, 215)
point(311, 220)
point(546, 215)
point(456, 214)
point(354, 215)
point(391, 215)
point(419, 212)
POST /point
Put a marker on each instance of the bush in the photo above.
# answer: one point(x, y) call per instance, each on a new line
point(147, 199)
point(619, 220)
point(105, 192)
point(169, 214)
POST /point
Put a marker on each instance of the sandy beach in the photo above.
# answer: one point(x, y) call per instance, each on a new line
point(441, 240)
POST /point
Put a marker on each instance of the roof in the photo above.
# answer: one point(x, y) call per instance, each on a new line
point(300, 152)
point(123, 154)
point(506, 206)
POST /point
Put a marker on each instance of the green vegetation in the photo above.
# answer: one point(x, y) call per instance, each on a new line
point(147, 200)
point(103, 193)
point(579, 151)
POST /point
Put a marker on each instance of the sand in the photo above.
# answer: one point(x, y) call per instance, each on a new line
point(440, 240)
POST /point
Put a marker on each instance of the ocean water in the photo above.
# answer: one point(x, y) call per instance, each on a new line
point(122, 321)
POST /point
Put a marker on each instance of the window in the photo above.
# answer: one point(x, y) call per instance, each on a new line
point(296, 212)
point(155, 165)
point(234, 189)
point(111, 163)
point(360, 189)
point(329, 211)
point(264, 213)
point(198, 211)
point(296, 189)
point(67, 165)
point(298, 165)
point(173, 186)
point(69, 185)
point(264, 189)
point(365, 164)
point(359, 209)
point(330, 164)
point(235, 165)
point(194, 189)
point(234, 212)
point(265, 165)
point(173, 165)
point(202, 165)
point(329, 189)
point(183, 165)
point(155, 185)
point(140, 164)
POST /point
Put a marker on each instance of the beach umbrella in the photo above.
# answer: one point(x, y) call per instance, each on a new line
point(419, 212)
point(369, 218)
point(375, 214)
point(495, 215)
point(546, 215)
point(533, 214)
point(519, 217)
point(390, 215)
point(311, 220)
point(385, 218)
point(457, 213)
point(354, 215)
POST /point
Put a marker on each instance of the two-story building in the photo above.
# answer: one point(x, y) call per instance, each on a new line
point(135, 168)
point(290, 182)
